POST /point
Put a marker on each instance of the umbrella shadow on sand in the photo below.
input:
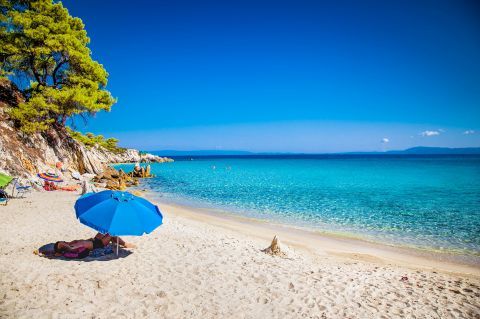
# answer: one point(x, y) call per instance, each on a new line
point(102, 254)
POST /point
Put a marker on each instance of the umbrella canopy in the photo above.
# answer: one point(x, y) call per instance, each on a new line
point(118, 213)
point(4, 180)
point(50, 177)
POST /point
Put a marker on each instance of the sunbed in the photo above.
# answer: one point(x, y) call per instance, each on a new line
point(21, 189)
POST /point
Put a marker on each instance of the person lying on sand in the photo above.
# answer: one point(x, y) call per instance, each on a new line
point(49, 186)
point(99, 241)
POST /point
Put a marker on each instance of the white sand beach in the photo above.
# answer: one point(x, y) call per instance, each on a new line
point(198, 265)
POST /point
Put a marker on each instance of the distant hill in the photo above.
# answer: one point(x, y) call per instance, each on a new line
point(419, 150)
point(438, 150)
point(424, 150)
point(200, 153)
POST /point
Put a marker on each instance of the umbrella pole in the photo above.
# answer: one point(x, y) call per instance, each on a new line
point(117, 246)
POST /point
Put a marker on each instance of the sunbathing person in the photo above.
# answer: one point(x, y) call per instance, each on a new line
point(99, 241)
point(49, 186)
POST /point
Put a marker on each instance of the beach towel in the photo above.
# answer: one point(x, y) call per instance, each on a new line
point(100, 252)
point(79, 253)
point(69, 188)
point(48, 251)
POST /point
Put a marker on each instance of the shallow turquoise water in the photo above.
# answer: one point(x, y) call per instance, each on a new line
point(429, 202)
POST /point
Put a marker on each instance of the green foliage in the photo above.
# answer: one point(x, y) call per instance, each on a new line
point(41, 42)
point(34, 115)
point(90, 140)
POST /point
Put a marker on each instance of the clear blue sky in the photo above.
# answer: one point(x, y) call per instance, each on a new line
point(306, 76)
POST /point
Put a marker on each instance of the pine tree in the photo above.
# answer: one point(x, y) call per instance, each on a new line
point(42, 44)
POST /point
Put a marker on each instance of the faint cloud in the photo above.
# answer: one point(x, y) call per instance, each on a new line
point(430, 133)
point(469, 132)
point(441, 130)
point(385, 140)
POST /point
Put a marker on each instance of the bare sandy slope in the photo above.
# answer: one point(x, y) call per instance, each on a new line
point(203, 268)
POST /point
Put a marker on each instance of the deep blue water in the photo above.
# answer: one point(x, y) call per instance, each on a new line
point(425, 201)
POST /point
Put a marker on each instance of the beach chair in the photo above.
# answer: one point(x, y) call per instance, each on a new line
point(4, 181)
point(21, 189)
point(3, 197)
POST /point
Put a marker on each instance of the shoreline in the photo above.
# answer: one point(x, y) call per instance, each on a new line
point(201, 266)
point(325, 243)
point(444, 230)
point(321, 242)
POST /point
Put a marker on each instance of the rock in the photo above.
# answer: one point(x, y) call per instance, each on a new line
point(140, 172)
point(118, 180)
point(113, 185)
point(88, 187)
point(150, 158)
point(122, 185)
point(274, 248)
point(88, 176)
point(147, 171)
point(24, 155)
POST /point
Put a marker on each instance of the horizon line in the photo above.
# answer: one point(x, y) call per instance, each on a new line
point(234, 152)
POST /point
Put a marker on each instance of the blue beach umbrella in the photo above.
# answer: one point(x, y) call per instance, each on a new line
point(118, 213)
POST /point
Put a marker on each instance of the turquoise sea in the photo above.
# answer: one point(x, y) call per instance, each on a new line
point(430, 202)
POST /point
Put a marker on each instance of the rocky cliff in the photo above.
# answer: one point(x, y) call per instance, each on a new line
point(25, 155)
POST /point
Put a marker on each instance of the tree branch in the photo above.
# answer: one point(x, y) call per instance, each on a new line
point(45, 69)
point(57, 67)
point(34, 70)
